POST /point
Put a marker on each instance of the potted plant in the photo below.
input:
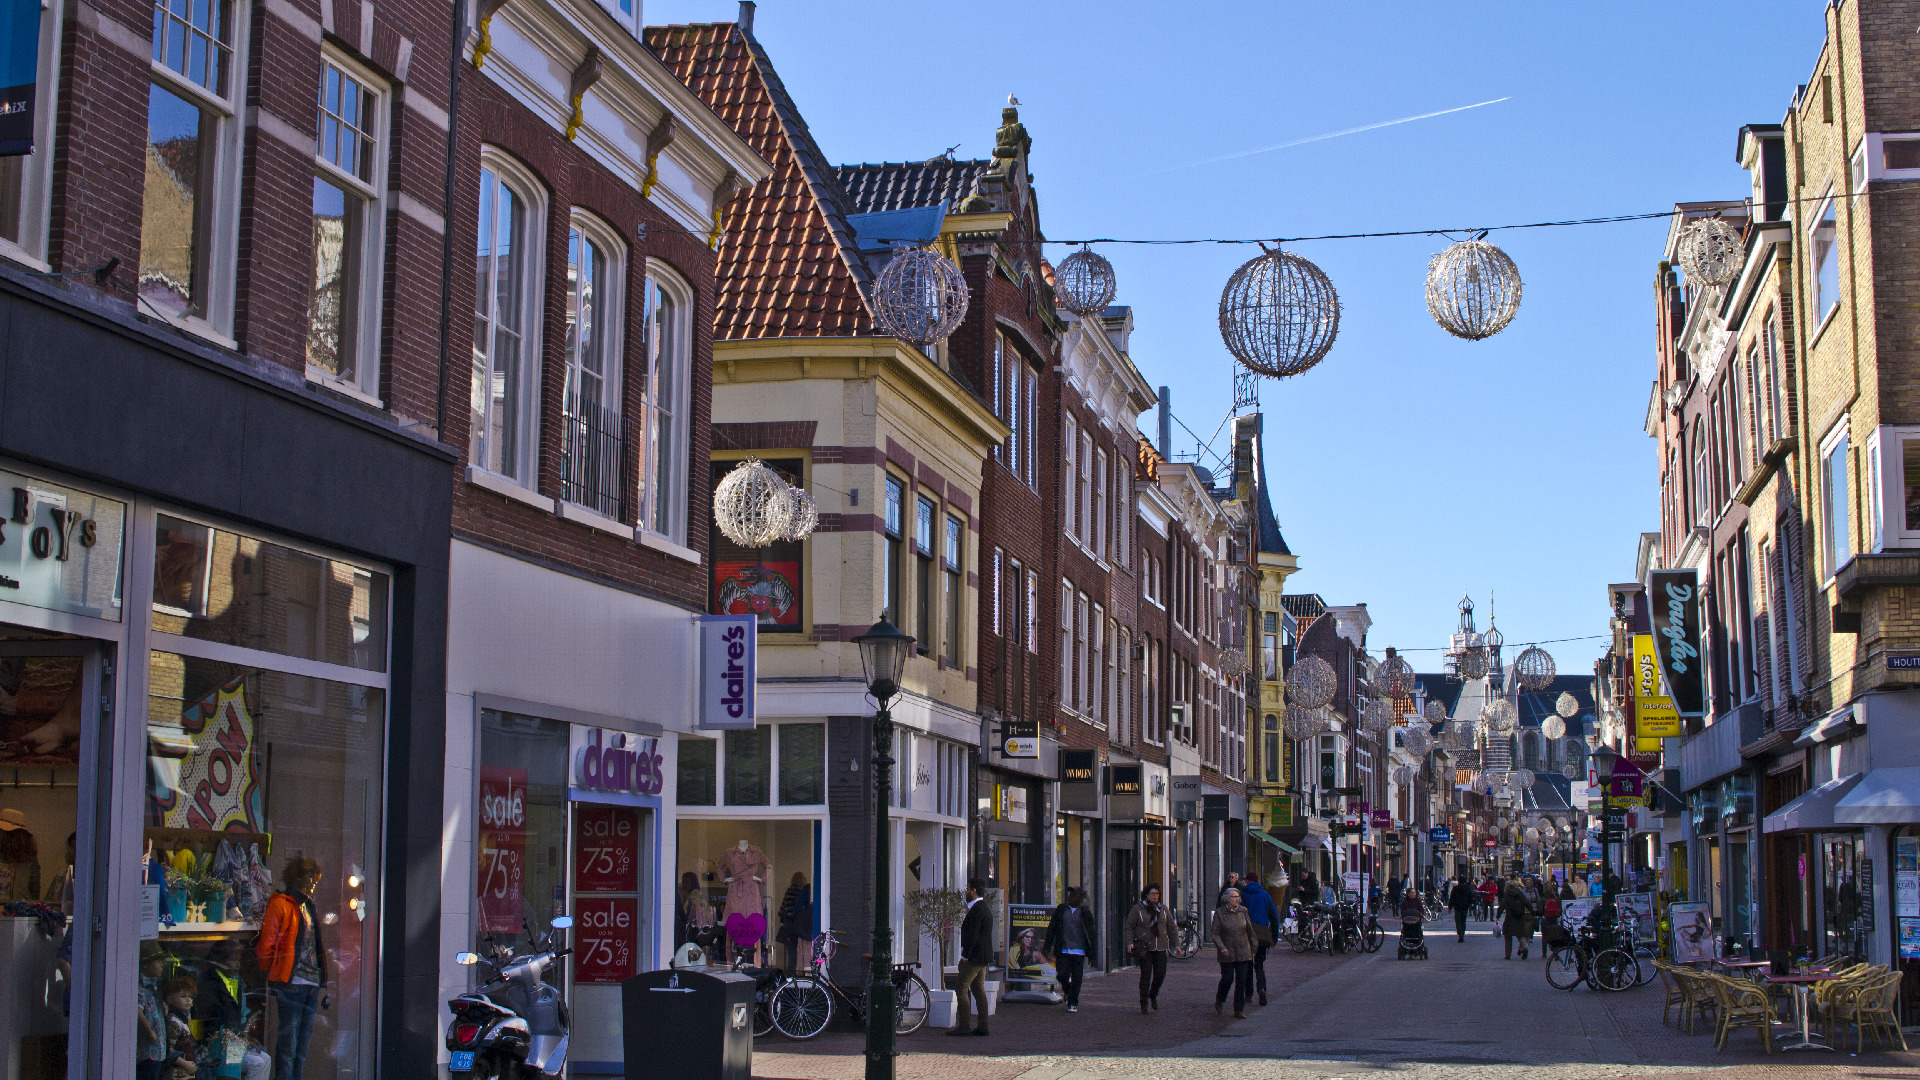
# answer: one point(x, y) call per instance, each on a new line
point(213, 894)
point(938, 913)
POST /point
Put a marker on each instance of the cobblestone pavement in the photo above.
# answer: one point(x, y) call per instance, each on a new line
point(1466, 1014)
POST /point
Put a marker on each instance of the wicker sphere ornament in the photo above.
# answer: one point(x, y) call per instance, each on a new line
point(1500, 717)
point(1279, 314)
point(802, 513)
point(1436, 713)
point(1534, 668)
point(920, 297)
point(1553, 727)
point(1474, 663)
point(1567, 705)
point(1473, 290)
point(1402, 774)
point(1376, 715)
point(1711, 252)
point(1311, 683)
point(1395, 676)
point(1302, 722)
point(1522, 779)
point(1084, 282)
point(1418, 740)
point(1571, 770)
point(751, 506)
point(1532, 834)
point(1233, 663)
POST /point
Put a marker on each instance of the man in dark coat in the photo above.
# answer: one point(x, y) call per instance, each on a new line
point(1462, 900)
point(976, 955)
point(1070, 940)
point(1266, 922)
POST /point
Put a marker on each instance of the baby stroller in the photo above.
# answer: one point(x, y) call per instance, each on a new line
point(1413, 941)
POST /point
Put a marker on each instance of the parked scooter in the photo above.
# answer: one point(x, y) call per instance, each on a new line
point(513, 1026)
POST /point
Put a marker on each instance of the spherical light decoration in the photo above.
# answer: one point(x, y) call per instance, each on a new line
point(1460, 734)
point(1418, 740)
point(1473, 290)
point(1501, 717)
point(1377, 715)
point(1436, 712)
point(1279, 314)
point(1567, 705)
point(1553, 727)
point(1234, 663)
point(1711, 252)
point(1302, 722)
point(1521, 779)
point(1084, 282)
point(920, 297)
point(1571, 770)
point(1534, 668)
point(1311, 683)
point(1473, 663)
point(802, 513)
point(1402, 775)
point(1532, 834)
point(751, 506)
point(1395, 676)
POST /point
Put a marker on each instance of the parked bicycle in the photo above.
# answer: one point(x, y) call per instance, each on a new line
point(1186, 935)
point(1582, 954)
point(802, 1006)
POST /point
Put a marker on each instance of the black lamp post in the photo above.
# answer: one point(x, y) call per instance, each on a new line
point(883, 656)
point(1604, 759)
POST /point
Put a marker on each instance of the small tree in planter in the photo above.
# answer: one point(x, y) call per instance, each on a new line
point(938, 913)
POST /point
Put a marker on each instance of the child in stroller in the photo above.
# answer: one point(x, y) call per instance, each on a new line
point(1413, 940)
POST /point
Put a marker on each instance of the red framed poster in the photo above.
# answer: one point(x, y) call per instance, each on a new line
point(503, 848)
point(606, 939)
point(606, 846)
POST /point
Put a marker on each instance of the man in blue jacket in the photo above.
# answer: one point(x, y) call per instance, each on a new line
point(1266, 927)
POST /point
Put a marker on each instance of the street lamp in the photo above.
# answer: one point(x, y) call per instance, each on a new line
point(883, 656)
point(1604, 760)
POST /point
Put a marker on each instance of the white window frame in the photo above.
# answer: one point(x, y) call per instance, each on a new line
point(676, 288)
point(1083, 487)
point(223, 217)
point(1830, 552)
point(1070, 478)
point(613, 343)
point(1101, 504)
point(1874, 158)
point(1821, 308)
point(523, 472)
point(36, 169)
point(1887, 484)
point(373, 232)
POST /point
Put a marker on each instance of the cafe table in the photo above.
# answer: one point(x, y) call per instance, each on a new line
point(1802, 987)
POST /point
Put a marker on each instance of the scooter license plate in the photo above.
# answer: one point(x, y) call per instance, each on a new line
point(461, 1062)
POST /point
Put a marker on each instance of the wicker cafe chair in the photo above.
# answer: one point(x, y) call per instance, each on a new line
point(1868, 1005)
point(1742, 1004)
point(1698, 999)
point(1833, 997)
point(1676, 993)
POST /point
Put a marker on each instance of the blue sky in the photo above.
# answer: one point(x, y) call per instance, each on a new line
point(1408, 467)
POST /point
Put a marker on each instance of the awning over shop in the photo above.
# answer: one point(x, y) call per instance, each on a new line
point(1815, 809)
point(1831, 726)
point(1275, 841)
point(1883, 797)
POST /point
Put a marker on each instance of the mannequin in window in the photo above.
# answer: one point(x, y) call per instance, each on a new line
point(745, 869)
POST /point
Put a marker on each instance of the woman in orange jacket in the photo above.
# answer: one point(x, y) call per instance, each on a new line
point(295, 962)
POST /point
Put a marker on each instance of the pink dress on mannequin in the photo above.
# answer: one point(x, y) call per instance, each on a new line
point(745, 896)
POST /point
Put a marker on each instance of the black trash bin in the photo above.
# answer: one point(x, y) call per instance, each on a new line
point(677, 1024)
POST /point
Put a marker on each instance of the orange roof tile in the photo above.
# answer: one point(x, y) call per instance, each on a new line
point(788, 265)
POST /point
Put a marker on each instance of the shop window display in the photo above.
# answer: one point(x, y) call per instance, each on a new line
point(742, 870)
point(523, 824)
point(262, 813)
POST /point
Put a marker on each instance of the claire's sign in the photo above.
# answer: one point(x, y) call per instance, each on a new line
point(1674, 596)
point(728, 645)
point(616, 761)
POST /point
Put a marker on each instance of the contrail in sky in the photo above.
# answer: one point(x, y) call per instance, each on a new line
point(1337, 134)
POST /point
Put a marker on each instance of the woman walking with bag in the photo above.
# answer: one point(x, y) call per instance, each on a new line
point(1234, 947)
point(1150, 930)
point(1517, 917)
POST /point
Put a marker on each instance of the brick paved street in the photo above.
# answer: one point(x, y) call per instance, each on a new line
point(1464, 1015)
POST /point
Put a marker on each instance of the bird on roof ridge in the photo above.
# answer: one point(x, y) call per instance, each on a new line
point(1014, 101)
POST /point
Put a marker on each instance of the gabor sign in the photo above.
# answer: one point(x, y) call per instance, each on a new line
point(728, 645)
point(1674, 596)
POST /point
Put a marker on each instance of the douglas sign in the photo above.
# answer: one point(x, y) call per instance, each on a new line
point(1674, 596)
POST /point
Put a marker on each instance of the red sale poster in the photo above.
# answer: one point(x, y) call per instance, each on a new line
point(606, 849)
point(503, 848)
point(606, 934)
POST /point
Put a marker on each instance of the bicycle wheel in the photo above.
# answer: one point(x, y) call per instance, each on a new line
point(1187, 942)
point(1302, 938)
point(1564, 970)
point(1373, 938)
point(1614, 969)
point(801, 1008)
point(1644, 956)
point(910, 999)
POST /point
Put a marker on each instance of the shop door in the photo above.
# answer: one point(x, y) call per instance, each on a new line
point(1124, 868)
point(52, 747)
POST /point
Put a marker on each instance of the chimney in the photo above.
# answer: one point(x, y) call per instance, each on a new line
point(745, 21)
point(1166, 425)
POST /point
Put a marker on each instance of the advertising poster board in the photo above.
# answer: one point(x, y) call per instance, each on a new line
point(1574, 912)
point(1906, 876)
point(1693, 937)
point(1639, 907)
point(1654, 715)
point(1909, 939)
point(1350, 883)
point(1026, 933)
